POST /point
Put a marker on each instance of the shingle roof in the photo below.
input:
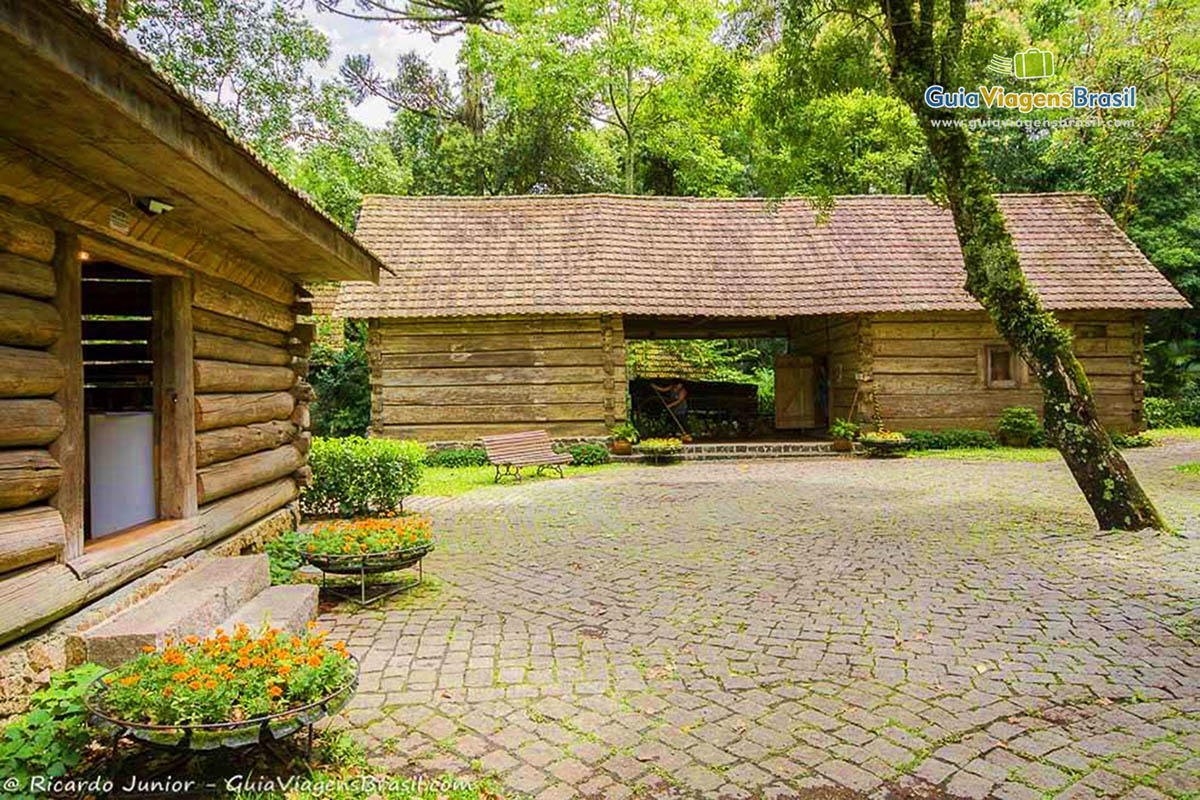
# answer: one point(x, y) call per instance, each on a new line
point(717, 257)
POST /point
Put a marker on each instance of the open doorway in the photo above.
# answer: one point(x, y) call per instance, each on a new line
point(119, 419)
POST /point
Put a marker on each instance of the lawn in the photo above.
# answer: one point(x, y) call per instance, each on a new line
point(1032, 454)
point(1165, 434)
point(450, 481)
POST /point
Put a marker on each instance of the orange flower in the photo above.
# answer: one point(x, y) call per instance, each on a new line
point(314, 660)
point(243, 662)
point(192, 639)
point(195, 685)
point(275, 691)
point(149, 648)
point(180, 676)
point(210, 684)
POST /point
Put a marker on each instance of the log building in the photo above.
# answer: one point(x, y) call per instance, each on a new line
point(152, 372)
point(511, 313)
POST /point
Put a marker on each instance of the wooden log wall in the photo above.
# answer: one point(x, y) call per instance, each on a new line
point(835, 338)
point(928, 369)
point(250, 359)
point(32, 534)
point(457, 379)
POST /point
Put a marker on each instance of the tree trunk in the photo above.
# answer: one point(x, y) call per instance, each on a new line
point(995, 278)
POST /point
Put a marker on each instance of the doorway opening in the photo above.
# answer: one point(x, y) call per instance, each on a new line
point(119, 414)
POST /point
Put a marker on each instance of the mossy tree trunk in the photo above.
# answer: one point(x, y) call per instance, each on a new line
point(925, 51)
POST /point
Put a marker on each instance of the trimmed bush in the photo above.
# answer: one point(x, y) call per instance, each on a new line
point(1018, 426)
point(353, 476)
point(1127, 441)
point(588, 454)
point(457, 457)
point(952, 439)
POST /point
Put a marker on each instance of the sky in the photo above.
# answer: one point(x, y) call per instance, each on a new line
point(383, 42)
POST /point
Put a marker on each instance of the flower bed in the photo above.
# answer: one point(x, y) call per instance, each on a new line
point(379, 544)
point(226, 690)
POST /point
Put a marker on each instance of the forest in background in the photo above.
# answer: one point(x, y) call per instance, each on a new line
point(703, 97)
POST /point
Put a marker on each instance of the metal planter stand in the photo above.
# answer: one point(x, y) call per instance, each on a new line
point(365, 564)
point(186, 740)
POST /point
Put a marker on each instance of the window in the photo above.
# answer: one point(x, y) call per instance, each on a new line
point(1001, 367)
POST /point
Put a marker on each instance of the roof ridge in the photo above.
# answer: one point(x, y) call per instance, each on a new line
point(583, 196)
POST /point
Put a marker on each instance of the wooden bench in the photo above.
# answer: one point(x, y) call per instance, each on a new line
point(514, 451)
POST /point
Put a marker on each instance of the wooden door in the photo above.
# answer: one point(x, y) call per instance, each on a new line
point(795, 405)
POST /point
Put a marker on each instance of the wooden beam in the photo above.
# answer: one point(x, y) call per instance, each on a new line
point(225, 410)
point(68, 448)
point(30, 535)
point(226, 376)
point(174, 398)
point(223, 297)
point(27, 476)
point(230, 477)
point(24, 237)
point(20, 275)
point(30, 423)
point(29, 373)
point(224, 444)
point(28, 323)
point(228, 348)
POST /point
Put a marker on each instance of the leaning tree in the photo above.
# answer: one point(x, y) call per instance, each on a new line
point(926, 47)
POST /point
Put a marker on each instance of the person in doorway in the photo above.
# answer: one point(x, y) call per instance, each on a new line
point(676, 400)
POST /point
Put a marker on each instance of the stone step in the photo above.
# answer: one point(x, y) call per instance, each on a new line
point(192, 605)
point(288, 608)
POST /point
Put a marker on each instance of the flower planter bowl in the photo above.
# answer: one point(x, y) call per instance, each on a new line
point(264, 730)
point(364, 564)
point(884, 448)
point(660, 455)
point(620, 447)
point(843, 445)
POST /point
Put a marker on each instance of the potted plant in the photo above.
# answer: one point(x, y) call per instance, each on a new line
point(883, 443)
point(230, 689)
point(660, 451)
point(624, 437)
point(1018, 426)
point(370, 546)
point(844, 433)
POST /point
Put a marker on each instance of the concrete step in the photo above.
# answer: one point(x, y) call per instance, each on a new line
point(192, 605)
point(744, 451)
point(288, 608)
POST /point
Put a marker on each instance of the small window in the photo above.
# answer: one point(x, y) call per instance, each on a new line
point(1001, 367)
point(1091, 331)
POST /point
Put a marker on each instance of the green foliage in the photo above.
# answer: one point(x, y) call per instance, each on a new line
point(844, 429)
point(341, 383)
point(1190, 468)
point(1018, 423)
point(588, 454)
point(49, 739)
point(952, 439)
point(625, 432)
point(457, 457)
point(1127, 441)
point(283, 556)
point(764, 380)
point(1163, 412)
point(353, 476)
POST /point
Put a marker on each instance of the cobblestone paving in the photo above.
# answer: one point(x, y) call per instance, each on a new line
point(814, 628)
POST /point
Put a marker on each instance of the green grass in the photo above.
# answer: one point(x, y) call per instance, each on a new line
point(450, 481)
point(1031, 454)
point(1162, 434)
point(1191, 468)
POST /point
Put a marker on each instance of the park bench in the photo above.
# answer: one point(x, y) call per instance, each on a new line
point(514, 451)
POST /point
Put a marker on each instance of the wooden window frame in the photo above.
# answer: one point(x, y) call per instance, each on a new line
point(1013, 369)
point(174, 393)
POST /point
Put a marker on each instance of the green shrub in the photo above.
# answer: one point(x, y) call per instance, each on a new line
point(49, 739)
point(1018, 425)
point(952, 439)
point(588, 454)
point(1126, 441)
point(355, 476)
point(457, 457)
point(283, 556)
point(1163, 412)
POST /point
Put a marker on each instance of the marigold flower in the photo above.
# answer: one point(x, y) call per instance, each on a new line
point(210, 684)
point(192, 639)
point(275, 691)
point(149, 648)
point(195, 685)
point(314, 660)
point(180, 676)
point(258, 661)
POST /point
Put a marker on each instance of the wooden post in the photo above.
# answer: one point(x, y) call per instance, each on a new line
point(174, 398)
point(68, 448)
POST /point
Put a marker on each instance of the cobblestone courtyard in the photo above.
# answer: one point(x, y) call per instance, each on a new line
point(811, 628)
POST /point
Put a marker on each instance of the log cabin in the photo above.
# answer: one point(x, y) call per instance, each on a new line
point(152, 392)
point(510, 313)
